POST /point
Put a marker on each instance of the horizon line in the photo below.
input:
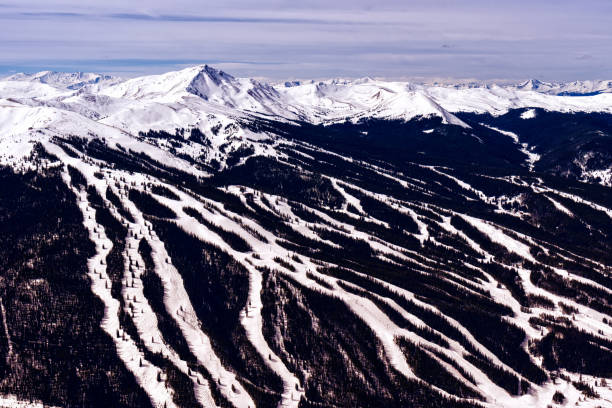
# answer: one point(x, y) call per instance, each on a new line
point(7, 71)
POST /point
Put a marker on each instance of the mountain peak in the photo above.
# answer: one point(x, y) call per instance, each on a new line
point(534, 84)
point(216, 74)
point(208, 79)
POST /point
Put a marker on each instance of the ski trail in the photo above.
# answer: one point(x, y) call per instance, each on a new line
point(250, 317)
point(147, 374)
point(178, 305)
point(140, 310)
point(9, 354)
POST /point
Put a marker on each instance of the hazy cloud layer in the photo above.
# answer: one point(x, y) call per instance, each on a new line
point(554, 40)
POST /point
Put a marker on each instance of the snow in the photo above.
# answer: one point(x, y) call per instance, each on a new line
point(338, 100)
point(576, 88)
point(349, 199)
point(560, 207)
point(64, 80)
point(19, 90)
point(12, 401)
point(188, 98)
point(496, 396)
point(604, 176)
point(528, 114)
point(5, 329)
point(39, 106)
point(499, 100)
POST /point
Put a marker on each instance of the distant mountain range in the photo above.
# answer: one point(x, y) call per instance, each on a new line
point(324, 101)
point(205, 98)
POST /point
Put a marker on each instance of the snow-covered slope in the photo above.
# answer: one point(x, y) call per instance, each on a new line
point(64, 80)
point(575, 88)
point(339, 100)
point(216, 103)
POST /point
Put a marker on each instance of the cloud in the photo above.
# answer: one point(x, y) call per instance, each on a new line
point(313, 38)
point(191, 18)
point(583, 57)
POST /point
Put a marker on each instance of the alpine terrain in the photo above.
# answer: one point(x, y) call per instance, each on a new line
point(193, 239)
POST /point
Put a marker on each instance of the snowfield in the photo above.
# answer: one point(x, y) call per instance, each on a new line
point(202, 97)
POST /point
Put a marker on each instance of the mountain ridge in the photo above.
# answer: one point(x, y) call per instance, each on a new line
point(209, 100)
point(577, 87)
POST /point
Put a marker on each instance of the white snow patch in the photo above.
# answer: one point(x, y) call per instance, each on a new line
point(559, 206)
point(528, 114)
point(12, 401)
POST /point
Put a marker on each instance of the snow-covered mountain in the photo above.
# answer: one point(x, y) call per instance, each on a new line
point(64, 80)
point(193, 239)
point(177, 99)
point(575, 88)
point(215, 103)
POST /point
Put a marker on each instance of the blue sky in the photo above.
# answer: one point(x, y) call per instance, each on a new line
point(481, 39)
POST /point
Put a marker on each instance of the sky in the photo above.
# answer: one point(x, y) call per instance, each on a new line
point(556, 40)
